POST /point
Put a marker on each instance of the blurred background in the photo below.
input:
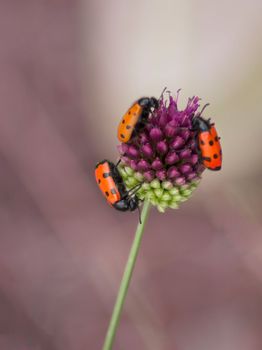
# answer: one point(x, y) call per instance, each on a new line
point(69, 70)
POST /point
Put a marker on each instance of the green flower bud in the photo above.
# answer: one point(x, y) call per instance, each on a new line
point(167, 185)
point(162, 194)
point(129, 171)
point(159, 192)
point(139, 177)
point(166, 196)
point(155, 183)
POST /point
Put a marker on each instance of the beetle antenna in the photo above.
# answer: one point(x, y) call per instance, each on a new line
point(202, 110)
point(119, 161)
point(137, 189)
point(133, 190)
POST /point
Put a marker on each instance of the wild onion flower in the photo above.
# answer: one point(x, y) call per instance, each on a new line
point(163, 157)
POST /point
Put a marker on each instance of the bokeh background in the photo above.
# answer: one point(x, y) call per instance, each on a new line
point(69, 70)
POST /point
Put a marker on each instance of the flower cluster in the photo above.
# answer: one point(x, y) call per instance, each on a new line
point(163, 156)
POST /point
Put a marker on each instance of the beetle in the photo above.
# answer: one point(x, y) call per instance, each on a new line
point(208, 143)
point(111, 184)
point(135, 118)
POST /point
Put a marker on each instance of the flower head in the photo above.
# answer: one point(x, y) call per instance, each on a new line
point(163, 156)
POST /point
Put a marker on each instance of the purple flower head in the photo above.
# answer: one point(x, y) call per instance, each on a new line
point(162, 156)
point(165, 148)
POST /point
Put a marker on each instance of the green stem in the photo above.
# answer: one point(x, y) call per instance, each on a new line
point(126, 279)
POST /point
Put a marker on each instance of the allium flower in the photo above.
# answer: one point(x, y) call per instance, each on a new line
point(163, 156)
point(161, 164)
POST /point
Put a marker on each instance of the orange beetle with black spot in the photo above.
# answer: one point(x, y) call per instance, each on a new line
point(208, 142)
point(111, 184)
point(135, 118)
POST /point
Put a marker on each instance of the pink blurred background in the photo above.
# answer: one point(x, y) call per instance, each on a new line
point(69, 70)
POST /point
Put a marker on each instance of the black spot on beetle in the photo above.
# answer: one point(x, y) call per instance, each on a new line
point(123, 121)
point(211, 142)
point(99, 181)
point(215, 156)
point(122, 136)
point(128, 127)
point(202, 142)
point(106, 193)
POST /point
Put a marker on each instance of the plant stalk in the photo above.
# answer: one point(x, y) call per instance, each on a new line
point(122, 292)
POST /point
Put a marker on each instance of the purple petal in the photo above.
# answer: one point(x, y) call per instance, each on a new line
point(149, 175)
point(133, 164)
point(192, 105)
point(125, 160)
point(132, 152)
point(192, 144)
point(142, 165)
point(156, 134)
point(180, 181)
point(163, 119)
point(170, 130)
point(177, 117)
point(143, 138)
point(191, 176)
point(172, 108)
point(185, 133)
point(122, 149)
point(162, 147)
point(185, 122)
point(172, 172)
point(171, 158)
point(186, 153)
point(177, 143)
point(194, 159)
point(161, 174)
point(147, 150)
point(157, 164)
point(185, 168)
